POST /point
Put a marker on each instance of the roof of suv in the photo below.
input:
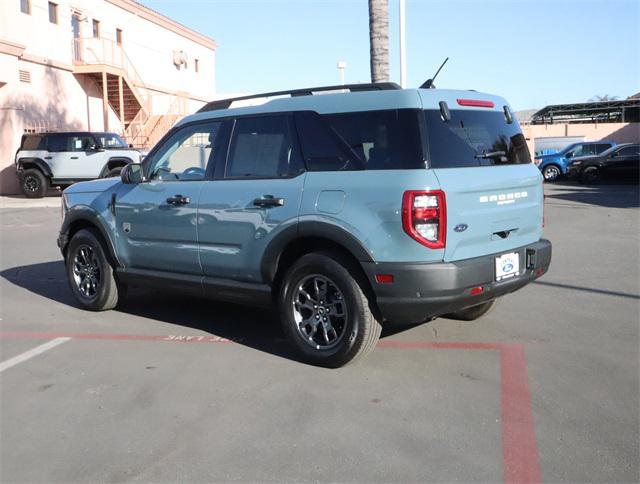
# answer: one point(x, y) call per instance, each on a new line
point(356, 101)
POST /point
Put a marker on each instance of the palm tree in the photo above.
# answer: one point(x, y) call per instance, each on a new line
point(379, 39)
point(604, 98)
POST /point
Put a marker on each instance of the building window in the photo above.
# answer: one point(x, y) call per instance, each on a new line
point(96, 28)
point(196, 65)
point(119, 36)
point(53, 13)
point(25, 6)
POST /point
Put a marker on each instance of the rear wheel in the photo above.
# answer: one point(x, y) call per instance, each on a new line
point(551, 173)
point(90, 274)
point(34, 184)
point(590, 174)
point(114, 172)
point(474, 312)
point(325, 313)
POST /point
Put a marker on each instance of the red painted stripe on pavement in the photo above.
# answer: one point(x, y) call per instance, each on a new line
point(519, 447)
point(406, 345)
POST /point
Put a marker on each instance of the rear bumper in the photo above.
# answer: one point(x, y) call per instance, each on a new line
point(423, 291)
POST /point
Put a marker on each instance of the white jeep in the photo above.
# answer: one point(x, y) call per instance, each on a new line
point(60, 159)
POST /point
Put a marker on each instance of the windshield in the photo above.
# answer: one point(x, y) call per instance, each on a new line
point(111, 140)
point(474, 138)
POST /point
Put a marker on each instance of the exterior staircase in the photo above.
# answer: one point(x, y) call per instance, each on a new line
point(108, 66)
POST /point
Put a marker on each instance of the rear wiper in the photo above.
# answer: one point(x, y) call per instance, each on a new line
point(491, 154)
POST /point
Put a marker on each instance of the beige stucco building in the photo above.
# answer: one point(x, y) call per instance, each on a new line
point(96, 65)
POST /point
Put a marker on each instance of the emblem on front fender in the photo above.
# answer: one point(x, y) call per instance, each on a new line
point(460, 228)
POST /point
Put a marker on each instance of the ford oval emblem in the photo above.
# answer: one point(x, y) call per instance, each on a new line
point(507, 267)
point(460, 227)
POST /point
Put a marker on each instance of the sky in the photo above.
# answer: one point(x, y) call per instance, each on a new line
point(532, 52)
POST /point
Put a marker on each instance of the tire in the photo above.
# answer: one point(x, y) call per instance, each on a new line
point(591, 174)
point(352, 330)
point(114, 172)
point(90, 274)
point(474, 312)
point(551, 173)
point(33, 183)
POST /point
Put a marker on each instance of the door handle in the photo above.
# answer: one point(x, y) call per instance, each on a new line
point(47, 157)
point(178, 200)
point(268, 201)
point(74, 157)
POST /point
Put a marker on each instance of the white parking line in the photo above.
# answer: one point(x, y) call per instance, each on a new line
point(5, 365)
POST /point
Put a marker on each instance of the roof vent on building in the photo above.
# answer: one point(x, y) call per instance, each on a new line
point(25, 76)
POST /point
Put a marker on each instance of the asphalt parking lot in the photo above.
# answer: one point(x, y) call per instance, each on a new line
point(167, 388)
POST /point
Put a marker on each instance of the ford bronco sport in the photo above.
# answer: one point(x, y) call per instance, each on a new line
point(60, 159)
point(348, 210)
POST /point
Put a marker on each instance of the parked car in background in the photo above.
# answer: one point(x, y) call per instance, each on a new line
point(555, 165)
point(60, 159)
point(621, 161)
point(342, 209)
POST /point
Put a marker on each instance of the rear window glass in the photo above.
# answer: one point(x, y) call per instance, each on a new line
point(382, 140)
point(57, 142)
point(474, 138)
point(32, 142)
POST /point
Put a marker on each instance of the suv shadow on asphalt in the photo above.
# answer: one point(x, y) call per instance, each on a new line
point(609, 194)
point(254, 327)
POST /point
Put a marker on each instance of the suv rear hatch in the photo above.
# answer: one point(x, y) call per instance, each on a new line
point(494, 195)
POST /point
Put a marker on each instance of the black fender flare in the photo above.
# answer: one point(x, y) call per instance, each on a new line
point(118, 160)
point(83, 213)
point(27, 163)
point(325, 230)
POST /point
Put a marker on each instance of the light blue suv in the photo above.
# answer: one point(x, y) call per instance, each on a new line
point(348, 207)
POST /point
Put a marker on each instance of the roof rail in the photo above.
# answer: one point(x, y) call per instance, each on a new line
point(376, 86)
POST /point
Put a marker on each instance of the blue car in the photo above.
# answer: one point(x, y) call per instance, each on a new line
point(555, 165)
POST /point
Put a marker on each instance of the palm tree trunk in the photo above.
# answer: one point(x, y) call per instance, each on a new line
point(379, 39)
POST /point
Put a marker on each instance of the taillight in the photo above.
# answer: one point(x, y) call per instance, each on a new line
point(424, 217)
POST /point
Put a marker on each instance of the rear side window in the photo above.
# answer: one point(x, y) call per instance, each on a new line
point(262, 147)
point(600, 148)
point(382, 140)
point(57, 142)
point(474, 138)
point(33, 142)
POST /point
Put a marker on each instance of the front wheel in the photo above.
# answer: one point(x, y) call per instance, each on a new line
point(325, 313)
point(90, 274)
point(551, 173)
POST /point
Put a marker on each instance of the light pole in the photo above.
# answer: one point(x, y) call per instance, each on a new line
point(342, 65)
point(403, 50)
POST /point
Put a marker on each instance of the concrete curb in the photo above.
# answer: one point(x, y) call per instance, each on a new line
point(20, 201)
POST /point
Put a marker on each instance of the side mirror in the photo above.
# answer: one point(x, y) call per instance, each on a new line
point(132, 174)
point(130, 145)
point(569, 155)
point(95, 147)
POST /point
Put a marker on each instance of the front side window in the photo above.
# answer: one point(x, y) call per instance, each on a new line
point(474, 138)
point(629, 151)
point(111, 141)
point(601, 148)
point(82, 142)
point(186, 154)
point(262, 147)
point(53, 13)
